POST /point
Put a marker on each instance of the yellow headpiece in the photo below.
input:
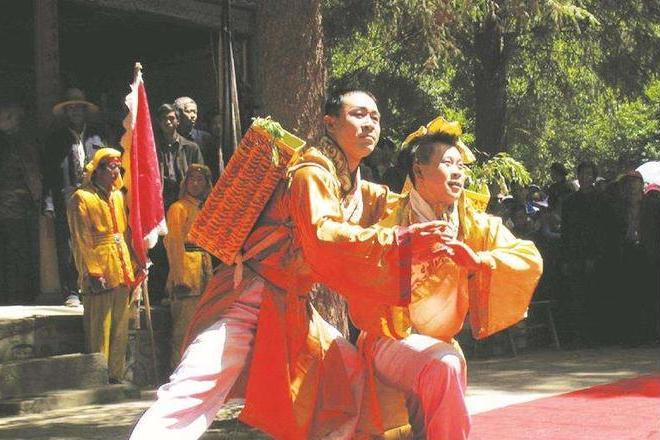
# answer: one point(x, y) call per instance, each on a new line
point(100, 156)
point(441, 125)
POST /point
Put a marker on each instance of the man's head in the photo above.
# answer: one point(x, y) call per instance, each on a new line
point(587, 173)
point(198, 181)
point(74, 108)
point(186, 111)
point(105, 168)
point(436, 167)
point(352, 119)
point(167, 119)
point(558, 172)
point(11, 114)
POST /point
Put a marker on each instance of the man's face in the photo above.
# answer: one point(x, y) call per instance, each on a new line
point(168, 123)
point(9, 119)
point(189, 114)
point(196, 184)
point(443, 178)
point(75, 114)
point(107, 172)
point(357, 127)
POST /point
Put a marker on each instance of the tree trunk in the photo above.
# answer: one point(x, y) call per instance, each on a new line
point(292, 83)
point(490, 87)
point(291, 64)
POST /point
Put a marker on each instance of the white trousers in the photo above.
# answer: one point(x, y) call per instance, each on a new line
point(432, 375)
point(208, 370)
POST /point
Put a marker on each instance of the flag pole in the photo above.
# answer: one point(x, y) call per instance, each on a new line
point(145, 285)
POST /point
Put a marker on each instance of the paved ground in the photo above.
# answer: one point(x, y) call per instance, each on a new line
point(494, 383)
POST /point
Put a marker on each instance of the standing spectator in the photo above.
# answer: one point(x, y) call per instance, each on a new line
point(186, 111)
point(20, 192)
point(68, 148)
point(190, 266)
point(98, 221)
point(175, 156)
point(560, 187)
point(175, 153)
point(582, 213)
point(649, 235)
point(629, 302)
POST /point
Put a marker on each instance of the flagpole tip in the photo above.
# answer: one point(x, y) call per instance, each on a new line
point(137, 68)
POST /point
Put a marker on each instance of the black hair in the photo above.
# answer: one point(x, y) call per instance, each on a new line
point(587, 164)
point(335, 98)
point(421, 149)
point(559, 168)
point(164, 110)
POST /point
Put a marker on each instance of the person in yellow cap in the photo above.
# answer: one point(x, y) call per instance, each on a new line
point(190, 266)
point(483, 268)
point(98, 223)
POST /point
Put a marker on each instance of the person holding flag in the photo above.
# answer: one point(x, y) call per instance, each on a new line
point(144, 187)
point(99, 229)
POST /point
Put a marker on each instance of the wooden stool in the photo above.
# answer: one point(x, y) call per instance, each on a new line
point(548, 323)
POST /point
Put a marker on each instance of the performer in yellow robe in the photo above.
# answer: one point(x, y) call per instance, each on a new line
point(303, 379)
point(190, 266)
point(485, 270)
point(97, 218)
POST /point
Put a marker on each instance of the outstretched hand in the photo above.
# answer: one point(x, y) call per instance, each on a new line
point(462, 254)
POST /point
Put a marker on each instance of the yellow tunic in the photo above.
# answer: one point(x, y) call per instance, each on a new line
point(497, 295)
point(191, 268)
point(98, 226)
point(98, 230)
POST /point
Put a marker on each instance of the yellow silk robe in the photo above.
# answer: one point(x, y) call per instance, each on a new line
point(296, 385)
point(98, 224)
point(190, 269)
point(496, 296)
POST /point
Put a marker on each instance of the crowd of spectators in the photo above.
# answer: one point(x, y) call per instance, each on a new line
point(599, 238)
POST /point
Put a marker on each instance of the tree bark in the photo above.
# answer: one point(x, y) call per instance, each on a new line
point(292, 69)
point(292, 80)
point(490, 84)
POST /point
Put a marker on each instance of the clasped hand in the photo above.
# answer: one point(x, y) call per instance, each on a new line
point(436, 239)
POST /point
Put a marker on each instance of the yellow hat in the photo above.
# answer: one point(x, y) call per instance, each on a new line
point(102, 155)
point(441, 125)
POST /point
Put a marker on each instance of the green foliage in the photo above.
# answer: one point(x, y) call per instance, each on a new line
point(502, 170)
point(581, 80)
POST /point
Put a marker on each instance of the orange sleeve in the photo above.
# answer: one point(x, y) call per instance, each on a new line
point(370, 263)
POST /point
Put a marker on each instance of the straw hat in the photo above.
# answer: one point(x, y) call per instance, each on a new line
point(74, 96)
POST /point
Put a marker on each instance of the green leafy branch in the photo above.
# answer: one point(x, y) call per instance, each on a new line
point(502, 170)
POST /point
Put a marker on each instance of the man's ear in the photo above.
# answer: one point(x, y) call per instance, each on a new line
point(329, 122)
point(417, 172)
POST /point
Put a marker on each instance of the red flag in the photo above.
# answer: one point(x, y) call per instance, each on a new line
point(142, 179)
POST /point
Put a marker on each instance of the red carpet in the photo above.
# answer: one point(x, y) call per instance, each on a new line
point(625, 410)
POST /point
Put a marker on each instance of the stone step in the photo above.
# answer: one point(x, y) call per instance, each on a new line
point(69, 398)
point(38, 376)
point(39, 331)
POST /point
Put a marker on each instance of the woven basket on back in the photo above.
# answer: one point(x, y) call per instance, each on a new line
point(246, 185)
